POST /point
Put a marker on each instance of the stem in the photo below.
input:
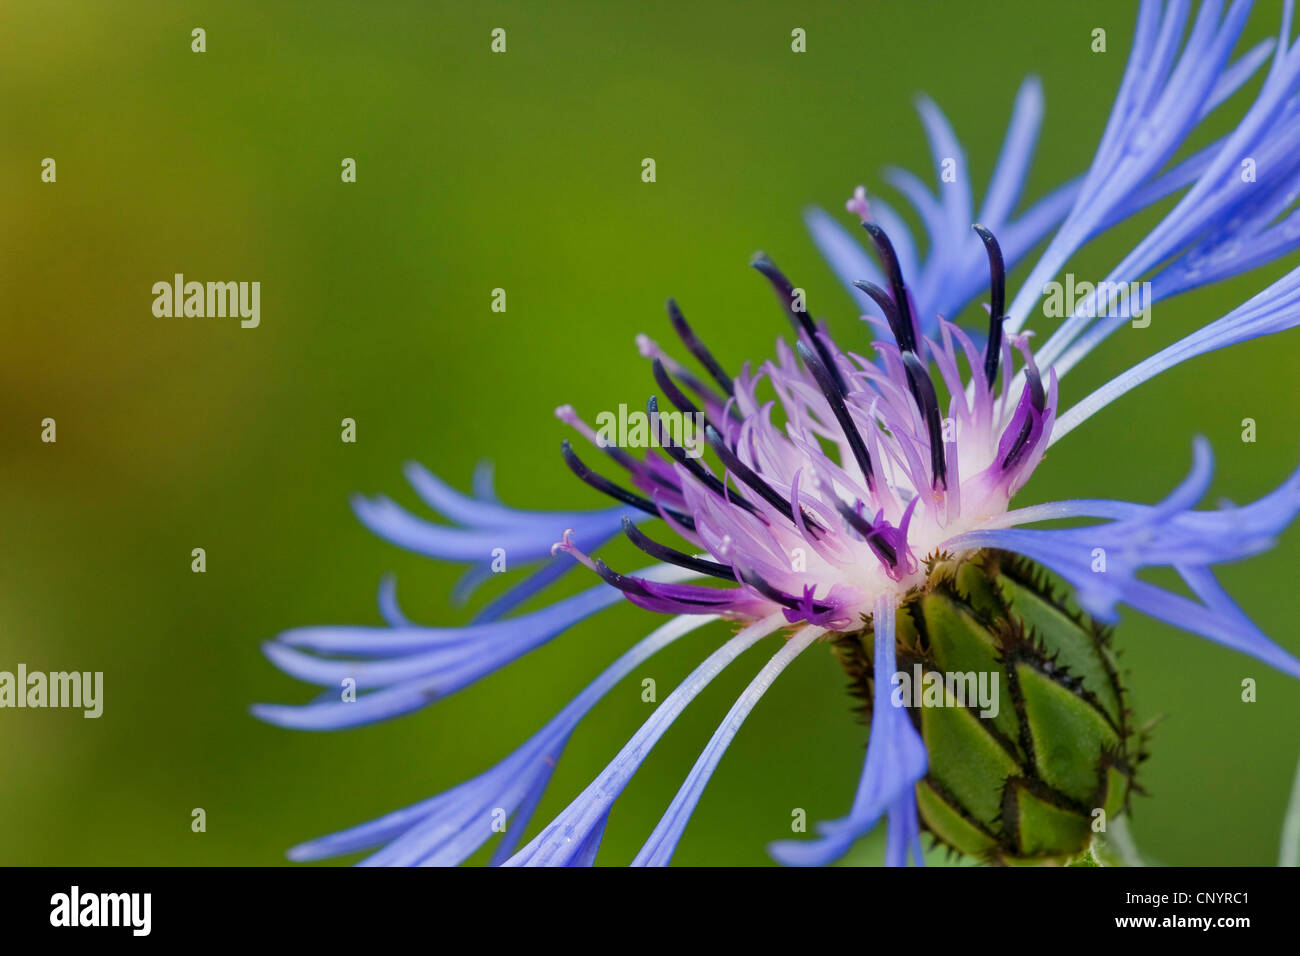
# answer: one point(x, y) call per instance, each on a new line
point(1289, 854)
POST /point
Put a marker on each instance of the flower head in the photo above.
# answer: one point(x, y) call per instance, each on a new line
point(830, 495)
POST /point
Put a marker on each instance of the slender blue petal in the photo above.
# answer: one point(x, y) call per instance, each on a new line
point(658, 849)
point(1159, 105)
point(449, 827)
point(1102, 561)
point(904, 833)
point(389, 609)
point(1276, 309)
point(523, 542)
point(408, 668)
point(564, 840)
point(955, 268)
point(1012, 167)
point(1207, 218)
point(462, 509)
point(550, 572)
point(896, 759)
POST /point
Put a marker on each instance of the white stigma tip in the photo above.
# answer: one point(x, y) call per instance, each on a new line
point(859, 205)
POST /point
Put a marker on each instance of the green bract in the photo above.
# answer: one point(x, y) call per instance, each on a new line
point(1018, 700)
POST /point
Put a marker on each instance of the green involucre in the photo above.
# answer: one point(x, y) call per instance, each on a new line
point(1033, 777)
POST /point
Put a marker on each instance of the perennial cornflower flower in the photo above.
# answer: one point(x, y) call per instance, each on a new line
point(855, 507)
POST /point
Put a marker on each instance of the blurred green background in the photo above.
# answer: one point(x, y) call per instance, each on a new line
point(520, 171)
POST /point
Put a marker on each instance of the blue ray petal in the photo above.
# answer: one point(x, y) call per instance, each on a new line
point(564, 840)
point(896, 759)
point(1169, 535)
point(448, 828)
point(658, 849)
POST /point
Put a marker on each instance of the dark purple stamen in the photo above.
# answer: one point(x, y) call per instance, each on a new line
point(1018, 448)
point(635, 467)
point(928, 402)
point(1038, 399)
point(710, 397)
point(620, 581)
point(905, 331)
point(639, 469)
point(675, 394)
point(750, 477)
point(710, 480)
point(887, 308)
point(997, 302)
point(879, 546)
point(755, 581)
point(800, 317)
point(673, 556)
point(622, 457)
point(836, 400)
point(616, 492)
point(630, 585)
point(698, 349)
